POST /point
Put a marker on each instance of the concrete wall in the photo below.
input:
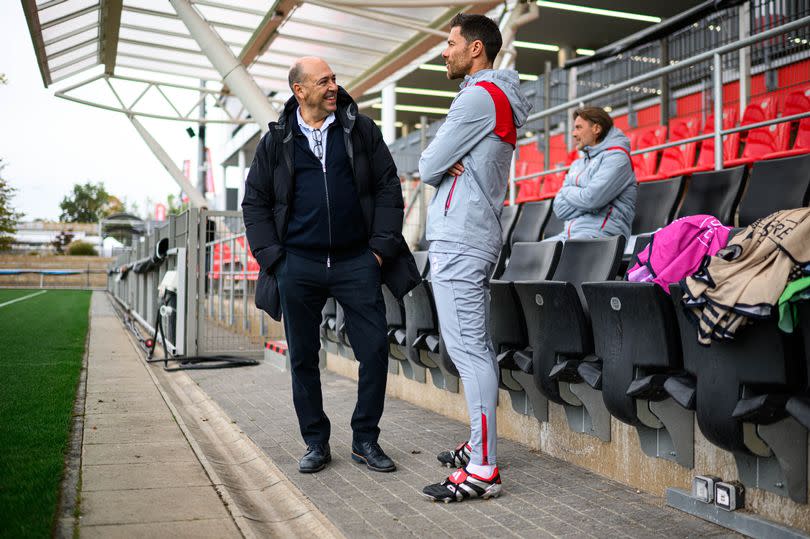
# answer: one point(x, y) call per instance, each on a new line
point(621, 459)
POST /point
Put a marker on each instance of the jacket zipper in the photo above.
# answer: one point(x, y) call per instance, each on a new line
point(328, 220)
point(450, 196)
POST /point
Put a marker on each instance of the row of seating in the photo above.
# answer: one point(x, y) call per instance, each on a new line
point(772, 142)
point(736, 196)
point(566, 330)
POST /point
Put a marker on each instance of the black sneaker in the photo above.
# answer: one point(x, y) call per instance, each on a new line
point(462, 485)
point(315, 459)
point(372, 455)
point(458, 458)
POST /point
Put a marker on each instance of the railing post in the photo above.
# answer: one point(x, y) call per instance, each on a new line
point(744, 15)
point(717, 88)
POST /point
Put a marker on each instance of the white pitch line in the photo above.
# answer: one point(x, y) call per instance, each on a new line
point(22, 298)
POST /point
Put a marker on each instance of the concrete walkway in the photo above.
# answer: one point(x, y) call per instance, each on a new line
point(161, 459)
point(213, 453)
point(543, 497)
point(140, 477)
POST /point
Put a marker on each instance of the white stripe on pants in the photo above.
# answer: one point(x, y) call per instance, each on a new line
point(460, 285)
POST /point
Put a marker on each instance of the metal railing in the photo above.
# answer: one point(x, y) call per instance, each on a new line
point(717, 85)
point(216, 285)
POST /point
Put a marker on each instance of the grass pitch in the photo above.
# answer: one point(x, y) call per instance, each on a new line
point(42, 342)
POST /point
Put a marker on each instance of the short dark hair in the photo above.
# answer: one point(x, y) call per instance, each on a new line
point(479, 27)
point(598, 116)
point(296, 74)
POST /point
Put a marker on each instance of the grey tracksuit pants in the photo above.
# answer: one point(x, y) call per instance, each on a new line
point(460, 285)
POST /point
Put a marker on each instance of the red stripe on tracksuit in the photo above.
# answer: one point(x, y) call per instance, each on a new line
point(485, 453)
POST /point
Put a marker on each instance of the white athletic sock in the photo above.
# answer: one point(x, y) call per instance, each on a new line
point(480, 470)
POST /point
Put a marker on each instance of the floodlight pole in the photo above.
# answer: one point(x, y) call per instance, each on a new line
point(234, 74)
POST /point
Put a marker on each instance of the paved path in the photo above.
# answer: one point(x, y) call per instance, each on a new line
point(543, 496)
point(140, 477)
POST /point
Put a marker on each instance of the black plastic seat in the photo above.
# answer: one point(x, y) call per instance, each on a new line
point(656, 203)
point(742, 380)
point(636, 336)
point(716, 192)
point(776, 184)
point(799, 405)
point(555, 311)
point(420, 314)
point(328, 316)
point(530, 221)
point(554, 225)
point(529, 262)
point(526, 226)
point(509, 216)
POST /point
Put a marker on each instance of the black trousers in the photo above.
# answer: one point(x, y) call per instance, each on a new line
point(304, 285)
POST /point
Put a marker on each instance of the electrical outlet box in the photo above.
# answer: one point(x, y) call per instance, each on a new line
point(729, 496)
point(703, 487)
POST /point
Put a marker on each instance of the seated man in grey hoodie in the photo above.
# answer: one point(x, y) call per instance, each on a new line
point(598, 197)
point(468, 163)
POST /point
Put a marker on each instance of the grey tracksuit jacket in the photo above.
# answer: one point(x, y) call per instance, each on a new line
point(463, 226)
point(598, 196)
point(470, 216)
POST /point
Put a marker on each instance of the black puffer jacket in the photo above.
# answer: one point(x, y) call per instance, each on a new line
point(270, 189)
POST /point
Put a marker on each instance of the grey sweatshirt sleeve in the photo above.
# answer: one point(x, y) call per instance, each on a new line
point(607, 182)
point(470, 119)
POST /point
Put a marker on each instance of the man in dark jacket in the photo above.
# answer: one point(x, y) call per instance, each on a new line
point(323, 211)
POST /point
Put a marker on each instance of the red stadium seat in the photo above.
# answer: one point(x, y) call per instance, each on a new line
point(796, 102)
point(731, 144)
point(678, 157)
point(645, 164)
point(762, 140)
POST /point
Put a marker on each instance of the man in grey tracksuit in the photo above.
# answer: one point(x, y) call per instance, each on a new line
point(598, 197)
point(468, 162)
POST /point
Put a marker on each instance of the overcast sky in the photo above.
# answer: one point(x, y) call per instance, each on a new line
point(49, 144)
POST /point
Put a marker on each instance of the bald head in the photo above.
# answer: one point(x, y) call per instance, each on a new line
point(314, 86)
point(303, 68)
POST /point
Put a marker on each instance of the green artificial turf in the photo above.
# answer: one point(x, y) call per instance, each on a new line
point(41, 348)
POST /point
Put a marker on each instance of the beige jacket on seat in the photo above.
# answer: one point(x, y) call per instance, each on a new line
point(744, 280)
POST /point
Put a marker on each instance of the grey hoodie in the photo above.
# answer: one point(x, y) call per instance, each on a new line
point(468, 218)
point(598, 197)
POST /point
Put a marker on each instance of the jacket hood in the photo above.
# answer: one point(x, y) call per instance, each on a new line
point(346, 109)
point(615, 137)
point(507, 80)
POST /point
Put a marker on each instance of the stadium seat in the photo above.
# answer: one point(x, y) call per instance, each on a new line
point(775, 184)
point(328, 317)
point(529, 262)
point(656, 203)
point(797, 102)
point(745, 380)
point(553, 224)
point(636, 337)
point(559, 332)
point(529, 223)
point(761, 140)
point(731, 144)
point(395, 314)
point(798, 406)
point(678, 157)
point(645, 164)
point(420, 318)
point(509, 216)
point(716, 192)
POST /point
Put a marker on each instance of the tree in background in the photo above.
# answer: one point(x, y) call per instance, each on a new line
point(88, 203)
point(8, 216)
point(175, 205)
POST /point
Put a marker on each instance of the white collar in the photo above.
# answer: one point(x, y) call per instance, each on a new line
point(307, 128)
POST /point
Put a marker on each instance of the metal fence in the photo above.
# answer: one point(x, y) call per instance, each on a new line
point(215, 311)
